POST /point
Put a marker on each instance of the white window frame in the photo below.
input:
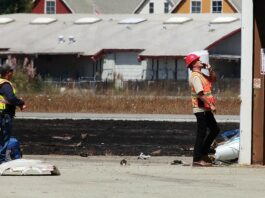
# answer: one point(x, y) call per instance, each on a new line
point(221, 6)
point(191, 6)
point(45, 6)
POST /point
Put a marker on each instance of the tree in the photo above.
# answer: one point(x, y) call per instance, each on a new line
point(15, 6)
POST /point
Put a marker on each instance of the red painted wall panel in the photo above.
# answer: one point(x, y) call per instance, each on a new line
point(40, 5)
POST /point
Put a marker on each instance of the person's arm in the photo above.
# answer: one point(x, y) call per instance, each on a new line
point(205, 100)
point(199, 90)
point(11, 97)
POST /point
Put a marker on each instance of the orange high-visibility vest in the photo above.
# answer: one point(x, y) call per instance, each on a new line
point(3, 101)
point(207, 92)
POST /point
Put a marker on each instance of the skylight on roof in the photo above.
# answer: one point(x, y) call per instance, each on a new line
point(224, 20)
point(132, 20)
point(5, 20)
point(87, 20)
point(43, 20)
point(177, 20)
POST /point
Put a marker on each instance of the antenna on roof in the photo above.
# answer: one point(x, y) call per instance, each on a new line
point(71, 39)
point(61, 39)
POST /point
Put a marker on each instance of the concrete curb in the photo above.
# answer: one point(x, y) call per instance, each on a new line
point(125, 117)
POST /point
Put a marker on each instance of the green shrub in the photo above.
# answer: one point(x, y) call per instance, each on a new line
point(25, 85)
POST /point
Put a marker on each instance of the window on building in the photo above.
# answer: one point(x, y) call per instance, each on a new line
point(166, 7)
point(196, 6)
point(217, 6)
point(151, 7)
point(50, 7)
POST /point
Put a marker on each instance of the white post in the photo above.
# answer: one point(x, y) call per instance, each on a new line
point(246, 83)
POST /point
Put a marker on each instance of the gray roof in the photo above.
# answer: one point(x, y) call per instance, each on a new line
point(152, 36)
point(175, 1)
point(103, 6)
point(237, 4)
point(144, 2)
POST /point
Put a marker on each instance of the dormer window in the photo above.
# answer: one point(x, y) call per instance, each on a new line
point(50, 6)
point(217, 6)
point(151, 7)
point(196, 6)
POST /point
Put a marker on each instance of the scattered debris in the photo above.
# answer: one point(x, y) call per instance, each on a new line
point(176, 162)
point(123, 162)
point(21, 167)
point(83, 154)
point(179, 162)
point(157, 152)
point(83, 135)
point(186, 149)
point(143, 156)
point(227, 151)
point(226, 135)
point(62, 138)
point(224, 163)
point(79, 144)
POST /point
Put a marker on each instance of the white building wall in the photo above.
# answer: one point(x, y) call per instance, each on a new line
point(127, 64)
point(108, 67)
point(124, 64)
point(158, 7)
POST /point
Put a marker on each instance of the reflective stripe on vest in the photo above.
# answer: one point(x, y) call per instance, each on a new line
point(3, 101)
point(207, 92)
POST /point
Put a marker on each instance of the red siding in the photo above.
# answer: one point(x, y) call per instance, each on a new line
point(40, 5)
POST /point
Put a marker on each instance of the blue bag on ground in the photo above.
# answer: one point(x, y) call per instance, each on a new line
point(229, 134)
point(13, 149)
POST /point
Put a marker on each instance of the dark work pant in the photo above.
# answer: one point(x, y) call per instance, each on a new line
point(203, 139)
point(5, 127)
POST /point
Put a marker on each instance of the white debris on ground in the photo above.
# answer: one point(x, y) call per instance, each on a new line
point(143, 156)
point(228, 150)
point(21, 167)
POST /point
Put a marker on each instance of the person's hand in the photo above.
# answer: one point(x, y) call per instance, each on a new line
point(208, 66)
point(22, 107)
point(213, 108)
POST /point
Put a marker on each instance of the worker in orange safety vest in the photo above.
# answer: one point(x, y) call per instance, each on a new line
point(203, 105)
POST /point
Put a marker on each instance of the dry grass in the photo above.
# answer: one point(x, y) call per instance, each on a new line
point(121, 104)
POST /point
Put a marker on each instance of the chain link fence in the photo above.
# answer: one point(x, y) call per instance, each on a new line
point(222, 88)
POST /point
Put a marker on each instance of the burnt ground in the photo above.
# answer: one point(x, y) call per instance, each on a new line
point(108, 137)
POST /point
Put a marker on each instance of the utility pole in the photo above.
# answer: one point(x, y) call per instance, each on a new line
point(258, 114)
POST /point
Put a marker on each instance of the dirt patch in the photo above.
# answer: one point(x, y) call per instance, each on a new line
point(108, 137)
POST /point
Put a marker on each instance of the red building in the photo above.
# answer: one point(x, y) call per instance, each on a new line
point(50, 7)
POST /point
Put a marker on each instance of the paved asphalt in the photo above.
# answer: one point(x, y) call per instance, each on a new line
point(104, 177)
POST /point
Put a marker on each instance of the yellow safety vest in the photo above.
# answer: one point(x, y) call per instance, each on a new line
point(207, 91)
point(3, 101)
